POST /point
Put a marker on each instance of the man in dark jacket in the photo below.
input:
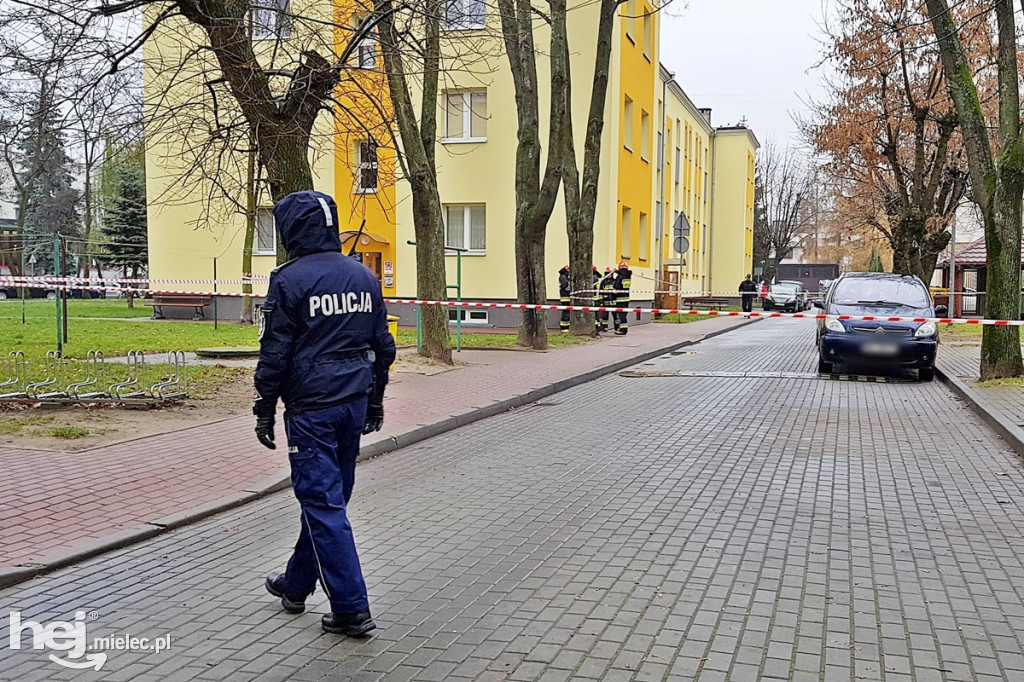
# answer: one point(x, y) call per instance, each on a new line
point(748, 290)
point(623, 280)
point(606, 298)
point(325, 351)
point(564, 291)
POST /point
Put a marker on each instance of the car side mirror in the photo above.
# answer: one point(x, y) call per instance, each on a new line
point(818, 303)
point(941, 310)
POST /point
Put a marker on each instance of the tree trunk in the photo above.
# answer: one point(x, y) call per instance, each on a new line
point(431, 278)
point(250, 232)
point(1000, 345)
point(581, 197)
point(996, 185)
point(535, 194)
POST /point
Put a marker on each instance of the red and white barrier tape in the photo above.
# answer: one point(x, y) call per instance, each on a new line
point(97, 282)
point(597, 309)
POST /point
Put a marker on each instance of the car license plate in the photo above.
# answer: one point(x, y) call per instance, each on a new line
point(872, 348)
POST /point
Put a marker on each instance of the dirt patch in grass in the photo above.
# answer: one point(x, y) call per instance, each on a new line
point(216, 393)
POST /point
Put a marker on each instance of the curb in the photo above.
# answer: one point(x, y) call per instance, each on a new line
point(1012, 434)
point(282, 480)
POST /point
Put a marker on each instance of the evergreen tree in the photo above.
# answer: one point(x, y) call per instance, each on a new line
point(124, 222)
point(52, 206)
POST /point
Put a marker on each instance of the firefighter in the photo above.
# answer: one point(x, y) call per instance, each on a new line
point(564, 290)
point(597, 296)
point(606, 297)
point(623, 279)
point(325, 351)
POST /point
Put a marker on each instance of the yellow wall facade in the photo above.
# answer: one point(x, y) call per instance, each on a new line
point(732, 256)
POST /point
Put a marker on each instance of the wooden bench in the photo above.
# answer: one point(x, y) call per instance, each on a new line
point(706, 302)
point(161, 301)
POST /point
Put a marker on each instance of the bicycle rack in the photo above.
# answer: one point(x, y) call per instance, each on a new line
point(95, 378)
point(132, 387)
point(54, 379)
point(17, 376)
point(174, 386)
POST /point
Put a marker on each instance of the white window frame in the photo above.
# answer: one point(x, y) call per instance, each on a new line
point(467, 117)
point(469, 316)
point(257, 250)
point(628, 136)
point(451, 22)
point(362, 165)
point(645, 136)
point(466, 228)
point(280, 10)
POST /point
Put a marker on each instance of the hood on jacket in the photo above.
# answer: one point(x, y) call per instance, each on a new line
point(308, 222)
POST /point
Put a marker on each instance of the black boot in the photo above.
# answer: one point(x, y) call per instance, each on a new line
point(275, 586)
point(353, 624)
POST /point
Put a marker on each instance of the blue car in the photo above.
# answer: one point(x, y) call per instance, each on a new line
point(878, 344)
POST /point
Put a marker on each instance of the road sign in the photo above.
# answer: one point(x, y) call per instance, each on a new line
point(680, 232)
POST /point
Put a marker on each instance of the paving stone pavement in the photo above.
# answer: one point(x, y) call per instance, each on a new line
point(963, 361)
point(55, 502)
point(663, 528)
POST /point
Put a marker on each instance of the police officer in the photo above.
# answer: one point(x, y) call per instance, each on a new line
point(606, 298)
point(564, 290)
point(325, 351)
point(623, 280)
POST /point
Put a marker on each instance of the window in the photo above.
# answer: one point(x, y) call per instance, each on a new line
point(366, 167)
point(466, 116)
point(631, 19)
point(648, 19)
point(626, 231)
point(466, 227)
point(266, 233)
point(465, 14)
point(468, 316)
point(645, 135)
point(627, 124)
point(677, 164)
point(645, 238)
point(366, 52)
point(661, 151)
point(271, 19)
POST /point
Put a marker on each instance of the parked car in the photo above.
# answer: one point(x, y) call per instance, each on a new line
point(788, 296)
point(878, 344)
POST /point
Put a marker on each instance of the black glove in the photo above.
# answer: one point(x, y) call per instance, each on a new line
point(265, 430)
point(374, 417)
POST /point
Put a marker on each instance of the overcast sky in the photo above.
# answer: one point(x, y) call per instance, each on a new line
point(749, 58)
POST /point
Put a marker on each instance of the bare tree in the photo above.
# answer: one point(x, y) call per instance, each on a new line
point(782, 197)
point(536, 193)
point(276, 84)
point(996, 169)
point(890, 127)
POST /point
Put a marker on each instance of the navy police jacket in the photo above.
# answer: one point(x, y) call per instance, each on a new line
point(323, 315)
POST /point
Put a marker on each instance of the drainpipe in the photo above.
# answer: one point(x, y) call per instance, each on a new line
point(661, 190)
point(714, 205)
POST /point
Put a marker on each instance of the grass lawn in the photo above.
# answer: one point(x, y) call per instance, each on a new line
point(1016, 382)
point(100, 307)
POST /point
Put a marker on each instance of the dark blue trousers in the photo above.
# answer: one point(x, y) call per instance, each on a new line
point(322, 449)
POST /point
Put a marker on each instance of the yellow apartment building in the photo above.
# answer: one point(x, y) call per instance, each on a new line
point(661, 159)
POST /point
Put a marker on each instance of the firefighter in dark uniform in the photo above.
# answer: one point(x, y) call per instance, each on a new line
point(606, 298)
point(623, 280)
point(325, 351)
point(564, 290)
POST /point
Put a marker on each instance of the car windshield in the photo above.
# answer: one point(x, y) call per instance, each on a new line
point(784, 288)
point(881, 292)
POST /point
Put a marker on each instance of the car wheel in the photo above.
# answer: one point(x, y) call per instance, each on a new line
point(3, 295)
point(825, 367)
point(926, 373)
point(51, 295)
